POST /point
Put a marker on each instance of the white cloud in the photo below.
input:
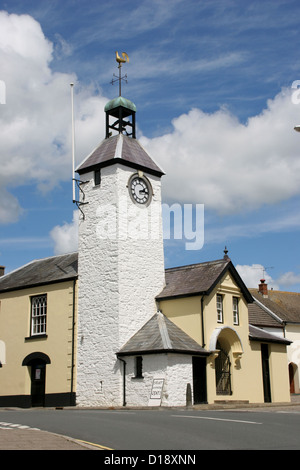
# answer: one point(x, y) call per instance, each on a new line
point(289, 279)
point(35, 122)
point(251, 275)
point(229, 166)
point(213, 159)
point(65, 237)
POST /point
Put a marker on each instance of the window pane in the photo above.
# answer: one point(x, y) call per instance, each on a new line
point(219, 309)
point(38, 314)
point(235, 308)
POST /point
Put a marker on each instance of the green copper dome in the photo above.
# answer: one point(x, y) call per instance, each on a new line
point(120, 101)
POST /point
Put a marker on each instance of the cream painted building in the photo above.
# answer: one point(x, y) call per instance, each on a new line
point(38, 305)
point(197, 348)
point(110, 326)
point(279, 313)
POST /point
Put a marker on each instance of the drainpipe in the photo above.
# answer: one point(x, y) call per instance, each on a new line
point(73, 343)
point(124, 380)
point(202, 321)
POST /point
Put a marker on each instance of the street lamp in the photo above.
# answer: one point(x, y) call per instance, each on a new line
point(297, 128)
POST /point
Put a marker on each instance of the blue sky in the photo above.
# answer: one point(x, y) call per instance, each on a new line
point(214, 86)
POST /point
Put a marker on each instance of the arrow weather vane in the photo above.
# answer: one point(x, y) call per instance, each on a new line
point(120, 60)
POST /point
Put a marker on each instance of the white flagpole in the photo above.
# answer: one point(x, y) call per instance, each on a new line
point(73, 143)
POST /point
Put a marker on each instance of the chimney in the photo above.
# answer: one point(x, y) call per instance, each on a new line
point(263, 288)
point(2, 270)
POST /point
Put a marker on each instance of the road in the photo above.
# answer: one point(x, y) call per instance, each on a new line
point(172, 429)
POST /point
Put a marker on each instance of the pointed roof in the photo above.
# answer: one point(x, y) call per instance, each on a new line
point(161, 335)
point(201, 278)
point(120, 149)
point(257, 334)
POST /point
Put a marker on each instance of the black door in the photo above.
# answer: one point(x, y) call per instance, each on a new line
point(266, 372)
point(199, 380)
point(38, 374)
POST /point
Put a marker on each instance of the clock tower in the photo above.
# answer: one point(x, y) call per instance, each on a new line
point(120, 253)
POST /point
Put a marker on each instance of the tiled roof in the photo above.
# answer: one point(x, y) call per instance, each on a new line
point(258, 316)
point(257, 334)
point(199, 278)
point(43, 271)
point(192, 279)
point(159, 335)
point(120, 149)
point(285, 305)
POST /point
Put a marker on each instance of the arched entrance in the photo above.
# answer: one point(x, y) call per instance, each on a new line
point(37, 365)
point(225, 342)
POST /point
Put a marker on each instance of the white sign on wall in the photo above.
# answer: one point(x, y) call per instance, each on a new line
point(156, 392)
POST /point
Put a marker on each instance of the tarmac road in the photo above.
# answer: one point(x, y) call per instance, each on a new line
point(18, 430)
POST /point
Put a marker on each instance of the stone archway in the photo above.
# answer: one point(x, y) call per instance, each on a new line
point(225, 343)
point(229, 338)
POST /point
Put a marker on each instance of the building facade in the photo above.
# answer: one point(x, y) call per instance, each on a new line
point(109, 326)
point(38, 311)
point(279, 313)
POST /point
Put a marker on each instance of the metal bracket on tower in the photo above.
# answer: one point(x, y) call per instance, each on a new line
point(80, 203)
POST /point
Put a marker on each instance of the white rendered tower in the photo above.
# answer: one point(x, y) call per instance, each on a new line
point(121, 260)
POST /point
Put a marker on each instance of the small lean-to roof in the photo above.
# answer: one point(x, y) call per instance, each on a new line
point(120, 149)
point(201, 278)
point(257, 334)
point(43, 271)
point(161, 335)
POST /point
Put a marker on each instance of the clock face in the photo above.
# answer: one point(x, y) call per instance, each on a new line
point(140, 190)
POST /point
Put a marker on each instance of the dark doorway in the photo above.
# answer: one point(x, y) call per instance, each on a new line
point(266, 372)
point(199, 380)
point(291, 377)
point(223, 372)
point(38, 376)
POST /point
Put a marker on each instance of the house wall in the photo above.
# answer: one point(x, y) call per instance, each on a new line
point(292, 332)
point(245, 356)
point(15, 315)
point(174, 369)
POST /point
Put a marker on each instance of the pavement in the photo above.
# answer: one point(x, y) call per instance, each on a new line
point(18, 437)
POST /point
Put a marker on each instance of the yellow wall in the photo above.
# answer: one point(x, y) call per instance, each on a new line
point(15, 328)
point(246, 369)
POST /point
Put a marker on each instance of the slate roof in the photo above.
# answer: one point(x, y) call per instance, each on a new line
point(285, 305)
point(161, 335)
point(257, 334)
point(258, 316)
point(43, 271)
point(120, 149)
point(199, 278)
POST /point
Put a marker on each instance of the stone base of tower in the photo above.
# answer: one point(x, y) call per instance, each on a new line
point(95, 389)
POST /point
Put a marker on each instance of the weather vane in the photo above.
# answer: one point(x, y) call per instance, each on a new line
point(120, 60)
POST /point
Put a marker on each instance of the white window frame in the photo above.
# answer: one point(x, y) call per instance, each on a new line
point(38, 314)
point(235, 310)
point(219, 301)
